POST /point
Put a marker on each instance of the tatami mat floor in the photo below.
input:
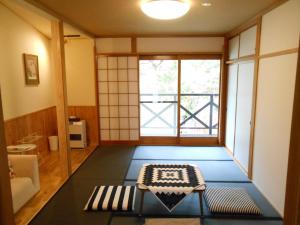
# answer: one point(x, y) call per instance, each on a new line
point(118, 165)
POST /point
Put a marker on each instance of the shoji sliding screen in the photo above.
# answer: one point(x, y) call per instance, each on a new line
point(118, 98)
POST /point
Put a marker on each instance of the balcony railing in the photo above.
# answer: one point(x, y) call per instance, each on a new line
point(198, 112)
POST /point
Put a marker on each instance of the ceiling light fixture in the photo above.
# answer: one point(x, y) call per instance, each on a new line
point(206, 4)
point(165, 9)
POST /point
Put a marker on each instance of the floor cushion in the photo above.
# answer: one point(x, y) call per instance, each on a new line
point(111, 198)
point(230, 200)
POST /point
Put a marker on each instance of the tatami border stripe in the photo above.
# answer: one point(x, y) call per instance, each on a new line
point(186, 159)
point(207, 181)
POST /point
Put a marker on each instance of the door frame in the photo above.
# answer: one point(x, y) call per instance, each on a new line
point(191, 141)
point(292, 196)
point(6, 203)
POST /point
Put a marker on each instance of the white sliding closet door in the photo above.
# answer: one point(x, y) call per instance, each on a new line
point(243, 112)
point(231, 106)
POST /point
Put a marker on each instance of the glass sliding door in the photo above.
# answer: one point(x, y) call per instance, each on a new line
point(158, 97)
point(199, 97)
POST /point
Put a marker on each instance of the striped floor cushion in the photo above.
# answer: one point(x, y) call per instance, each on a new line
point(111, 198)
point(231, 201)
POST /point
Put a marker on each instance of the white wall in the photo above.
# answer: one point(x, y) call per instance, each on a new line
point(184, 44)
point(276, 81)
point(273, 124)
point(161, 45)
point(108, 45)
point(18, 37)
point(280, 28)
point(80, 72)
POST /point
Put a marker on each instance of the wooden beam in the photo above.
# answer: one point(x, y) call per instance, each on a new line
point(175, 56)
point(279, 53)
point(6, 207)
point(198, 55)
point(178, 102)
point(166, 35)
point(241, 59)
point(223, 94)
point(133, 45)
point(292, 197)
point(245, 26)
point(59, 71)
point(96, 92)
point(254, 98)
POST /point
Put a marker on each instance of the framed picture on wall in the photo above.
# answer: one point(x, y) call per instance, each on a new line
point(31, 65)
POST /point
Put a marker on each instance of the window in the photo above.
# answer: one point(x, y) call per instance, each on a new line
point(194, 82)
point(158, 97)
point(199, 97)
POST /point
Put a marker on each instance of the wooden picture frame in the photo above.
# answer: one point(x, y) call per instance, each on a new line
point(31, 67)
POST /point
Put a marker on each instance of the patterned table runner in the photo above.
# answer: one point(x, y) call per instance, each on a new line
point(171, 183)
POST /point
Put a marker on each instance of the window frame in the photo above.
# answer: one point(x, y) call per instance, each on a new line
point(192, 141)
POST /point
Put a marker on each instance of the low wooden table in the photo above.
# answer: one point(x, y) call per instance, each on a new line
point(174, 175)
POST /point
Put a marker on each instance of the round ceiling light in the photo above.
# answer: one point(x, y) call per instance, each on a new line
point(165, 9)
point(206, 4)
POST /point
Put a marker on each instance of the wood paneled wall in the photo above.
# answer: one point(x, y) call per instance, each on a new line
point(88, 113)
point(42, 122)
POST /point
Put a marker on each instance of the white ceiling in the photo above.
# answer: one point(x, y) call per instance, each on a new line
point(124, 17)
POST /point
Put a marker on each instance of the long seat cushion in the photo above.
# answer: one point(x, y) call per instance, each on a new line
point(111, 198)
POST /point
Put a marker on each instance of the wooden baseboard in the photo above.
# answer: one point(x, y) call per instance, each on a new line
point(184, 141)
point(127, 143)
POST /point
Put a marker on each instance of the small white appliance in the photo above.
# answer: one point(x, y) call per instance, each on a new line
point(77, 130)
